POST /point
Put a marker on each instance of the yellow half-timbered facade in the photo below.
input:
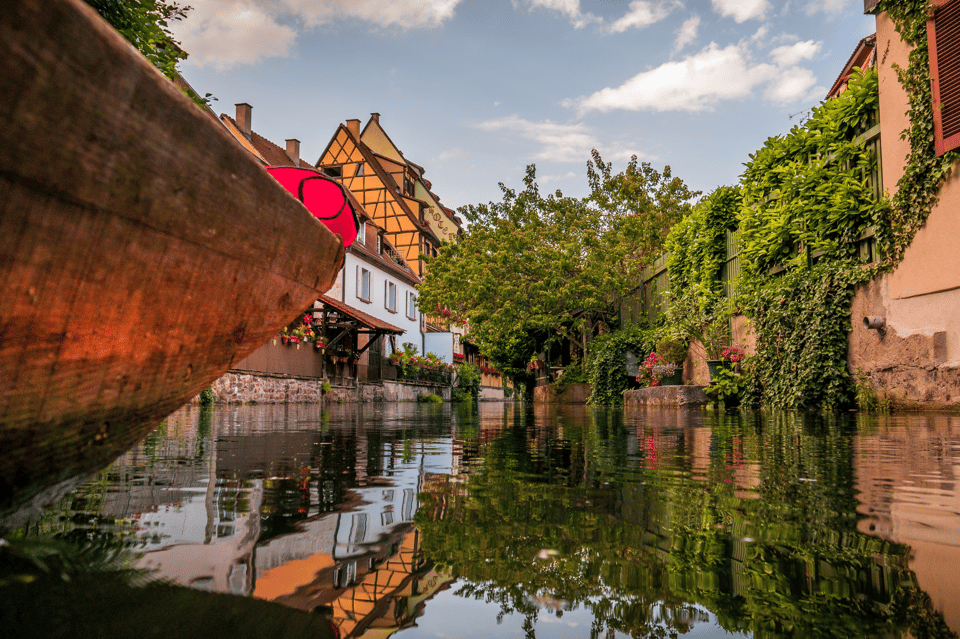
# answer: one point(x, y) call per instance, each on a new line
point(390, 188)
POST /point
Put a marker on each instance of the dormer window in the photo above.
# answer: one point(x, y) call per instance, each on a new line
point(333, 171)
point(379, 245)
point(362, 235)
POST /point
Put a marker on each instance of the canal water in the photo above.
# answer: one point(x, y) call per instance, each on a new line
point(506, 520)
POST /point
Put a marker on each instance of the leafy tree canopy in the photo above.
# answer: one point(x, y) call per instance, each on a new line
point(534, 269)
point(146, 25)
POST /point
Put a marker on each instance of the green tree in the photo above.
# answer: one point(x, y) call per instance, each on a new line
point(146, 25)
point(532, 270)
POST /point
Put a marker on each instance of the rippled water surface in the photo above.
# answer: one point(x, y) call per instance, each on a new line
point(512, 521)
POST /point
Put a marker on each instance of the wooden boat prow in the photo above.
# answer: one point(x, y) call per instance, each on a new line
point(142, 250)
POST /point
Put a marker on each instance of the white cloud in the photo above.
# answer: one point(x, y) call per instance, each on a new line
point(558, 142)
point(696, 83)
point(793, 85)
point(643, 13)
point(790, 55)
point(741, 10)
point(410, 14)
point(569, 8)
point(225, 33)
point(829, 7)
point(760, 34)
point(561, 142)
point(687, 33)
point(547, 179)
point(450, 154)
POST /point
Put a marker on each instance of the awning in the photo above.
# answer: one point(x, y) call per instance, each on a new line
point(368, 321)
point(341, 320)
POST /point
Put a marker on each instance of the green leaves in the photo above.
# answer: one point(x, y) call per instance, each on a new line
point(145, 25)
point(810, 188)
point(533, 270)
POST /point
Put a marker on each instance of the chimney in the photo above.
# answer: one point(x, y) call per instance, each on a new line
point(244, 115)
point(353, 126)
point(375, 117)
point(293, 150)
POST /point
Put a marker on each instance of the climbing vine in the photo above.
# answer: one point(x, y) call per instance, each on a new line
point(697, 245)
point(924, 172)
point(605, 361)
point(801, 207)
point(802, 322)
point(809, 192)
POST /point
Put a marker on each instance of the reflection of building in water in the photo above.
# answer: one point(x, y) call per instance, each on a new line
point(907, 478)
point(275, 506)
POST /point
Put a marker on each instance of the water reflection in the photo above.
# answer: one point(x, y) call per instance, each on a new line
point(544, 521)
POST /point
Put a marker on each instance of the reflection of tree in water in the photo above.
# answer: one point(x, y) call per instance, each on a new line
point(766, 539)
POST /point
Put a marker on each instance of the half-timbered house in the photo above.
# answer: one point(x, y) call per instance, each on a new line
point(390, 188)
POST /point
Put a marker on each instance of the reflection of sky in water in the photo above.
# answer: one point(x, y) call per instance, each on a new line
point(454, 617)
point(185, 521)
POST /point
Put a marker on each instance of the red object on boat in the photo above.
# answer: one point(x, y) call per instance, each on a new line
point(324, 197)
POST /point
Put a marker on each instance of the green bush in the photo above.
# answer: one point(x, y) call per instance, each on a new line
point(461, 395)
point(468, 383)
point(207, 397)
point(672, 350)
point(727, 387)
point(429, 398)
point(605, 366)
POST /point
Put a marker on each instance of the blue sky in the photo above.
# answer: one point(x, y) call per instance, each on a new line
point(475, 90)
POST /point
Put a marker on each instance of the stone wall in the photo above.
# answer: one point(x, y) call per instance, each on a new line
point(666, 396)
point(908, 360)
point(494, 394)
point(246, 388)
point(572, 394)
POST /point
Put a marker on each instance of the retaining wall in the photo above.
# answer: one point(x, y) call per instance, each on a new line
point(246, 388)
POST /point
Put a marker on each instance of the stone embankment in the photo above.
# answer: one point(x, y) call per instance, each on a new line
point(666, 396)
point(246, 388)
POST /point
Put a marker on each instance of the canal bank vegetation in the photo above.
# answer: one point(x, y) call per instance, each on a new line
point(800, 211)
point(767, 537)
point(536, 271)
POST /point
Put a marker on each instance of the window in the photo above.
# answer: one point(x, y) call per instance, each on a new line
point(333, 171)
point(363, 284)
point(411, 306)
point(359, 171)
point(379, 245)
point(390, 297)
point(362, 235)
point(944, 44)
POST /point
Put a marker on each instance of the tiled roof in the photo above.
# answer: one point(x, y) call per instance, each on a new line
point(367, 320)
point(272, 154)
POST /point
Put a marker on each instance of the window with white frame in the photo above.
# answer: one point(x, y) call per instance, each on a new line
point(362, 235)
point(363, 284)
point(379, 244)
point(411, 305)
point(390, 297)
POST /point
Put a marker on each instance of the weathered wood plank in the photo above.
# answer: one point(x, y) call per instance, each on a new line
point(142, 251)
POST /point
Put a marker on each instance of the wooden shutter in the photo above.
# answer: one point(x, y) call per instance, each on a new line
point(943, 35)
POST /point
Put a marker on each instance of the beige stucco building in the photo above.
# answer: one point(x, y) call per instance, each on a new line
point(915, 357)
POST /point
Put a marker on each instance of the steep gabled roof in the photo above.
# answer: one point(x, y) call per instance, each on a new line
point(372, 159)
point(265, 150)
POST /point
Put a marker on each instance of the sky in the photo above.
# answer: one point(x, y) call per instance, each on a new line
point(476, 90)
